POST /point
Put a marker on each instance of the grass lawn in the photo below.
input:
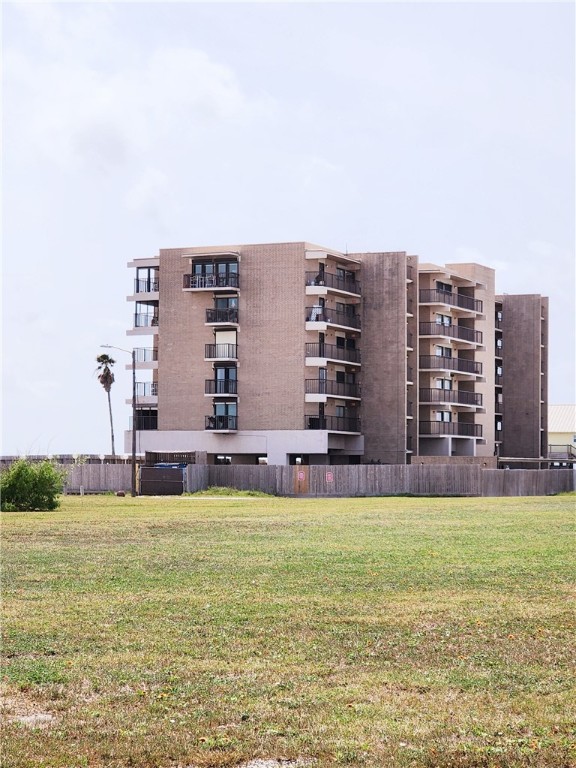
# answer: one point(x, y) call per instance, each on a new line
point(203, 631)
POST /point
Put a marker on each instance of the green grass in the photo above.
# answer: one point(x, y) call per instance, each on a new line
point(201, 631)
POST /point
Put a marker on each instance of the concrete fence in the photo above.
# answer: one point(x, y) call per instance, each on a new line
point(355, 480)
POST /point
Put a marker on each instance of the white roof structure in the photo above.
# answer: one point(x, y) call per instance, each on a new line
point(562, 418)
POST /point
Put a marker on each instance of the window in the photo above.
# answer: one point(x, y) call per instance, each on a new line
point(446, 287)
point(443, 383)
point(442, 351)
point(443, 320)
point(226, 302)
point(443, 416)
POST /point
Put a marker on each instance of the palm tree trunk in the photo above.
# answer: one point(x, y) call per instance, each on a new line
point(111, 424)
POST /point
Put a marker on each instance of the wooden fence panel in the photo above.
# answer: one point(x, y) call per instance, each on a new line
point(97, 478)
point(342, 480)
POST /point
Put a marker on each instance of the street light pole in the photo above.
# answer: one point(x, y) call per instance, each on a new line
point(133, 422)
point(132, 353)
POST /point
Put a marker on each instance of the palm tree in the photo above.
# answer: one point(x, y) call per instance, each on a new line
point(106, 378)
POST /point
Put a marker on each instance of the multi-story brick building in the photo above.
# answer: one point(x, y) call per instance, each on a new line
point(291, 352)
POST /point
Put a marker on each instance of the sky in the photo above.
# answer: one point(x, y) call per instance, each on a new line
point(441, 129)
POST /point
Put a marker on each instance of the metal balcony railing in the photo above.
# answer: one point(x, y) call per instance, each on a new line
point(436, 362)
point(146, 286)
point(436, 296)
point(221, 422)
point(456, 396)
point(146, 354)
point(146, 389)
point(460, 429)
point(221, 387)
point(333, 351)
point(229, 280)
point(142, 320)
point(332, 387)
point(221, 351)
point(333, 423)
point(334, 281)
point(452, 331)
point(225, 315)
point(334, 316)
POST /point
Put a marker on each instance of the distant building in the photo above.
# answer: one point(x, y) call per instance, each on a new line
point(296, 353)
point(562, 431)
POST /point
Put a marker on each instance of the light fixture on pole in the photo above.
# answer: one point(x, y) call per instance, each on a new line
point(131, 352)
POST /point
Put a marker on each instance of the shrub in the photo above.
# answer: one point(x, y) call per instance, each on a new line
point(25, 486)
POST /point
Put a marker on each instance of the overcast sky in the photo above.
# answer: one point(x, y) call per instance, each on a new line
point(446, 130)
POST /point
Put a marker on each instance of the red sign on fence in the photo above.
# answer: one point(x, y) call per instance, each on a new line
point(329, 477)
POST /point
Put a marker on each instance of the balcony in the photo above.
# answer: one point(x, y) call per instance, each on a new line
point(221, 352)
point(225, 316)
point(142, 320)
point(221, 423)
point(146, 419)
point(454, 428)
point(145, 355)
point(332, 317)
point(451, 331)
point(146, 389)
point(331, 281)
point(218, 282)
point(220, 387)
point(436, 296)
point(333, 423)
point(145, 358)
point(437, 362)
point(149, 285)
point(332, 352)
point(455, 396)
point(332, 388)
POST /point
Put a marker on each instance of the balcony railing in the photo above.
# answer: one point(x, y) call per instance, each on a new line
point(333, 351)
point(335, 316)
point(146, 389)
point(146, 419)
point(456, 396)
point(460, 429)
point(146, 354)
point(499, 379)
point(146, 286)
point(221, 387)
point(436, 362)
point(222, 423)
point(332, 387)
point(436, 296)
point(452, 331)
point(333, 423)
point(333, 281)
point(142, 320)
point(225, 315)
point(221, 351)
point(198, 282)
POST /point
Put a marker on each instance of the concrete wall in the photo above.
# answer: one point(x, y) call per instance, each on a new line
point(525, 384)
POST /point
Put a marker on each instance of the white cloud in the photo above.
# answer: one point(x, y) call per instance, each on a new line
point(63, 105)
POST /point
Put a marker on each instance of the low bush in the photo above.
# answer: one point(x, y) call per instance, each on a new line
point(25, 486)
